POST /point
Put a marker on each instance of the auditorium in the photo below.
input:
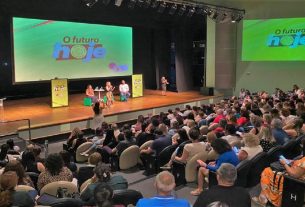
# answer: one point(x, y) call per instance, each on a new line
point(152, 103)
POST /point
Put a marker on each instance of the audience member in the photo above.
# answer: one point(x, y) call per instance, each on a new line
point(55, 171)
point(252, 147)
point(102, 175)
point(30, 164)
point(225, 191)
point(16, 166)
point(8, 195)
point(226, 155)
point(103, 195)
point(278, 133)
point(164, 184)
point(272, 182)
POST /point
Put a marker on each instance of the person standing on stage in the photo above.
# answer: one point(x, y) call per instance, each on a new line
point(90, 93)
point(124, 91)
point(164, 82)
point(109, 94)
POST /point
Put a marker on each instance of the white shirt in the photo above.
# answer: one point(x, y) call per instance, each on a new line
point(124, 88)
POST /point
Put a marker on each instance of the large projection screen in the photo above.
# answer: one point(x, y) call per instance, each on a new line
point(45, 49)
point(274, 40)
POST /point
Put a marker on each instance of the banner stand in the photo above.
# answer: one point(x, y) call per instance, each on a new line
point(137, 85)
point(59, 90)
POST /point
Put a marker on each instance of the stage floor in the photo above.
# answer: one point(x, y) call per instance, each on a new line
point(40, 113)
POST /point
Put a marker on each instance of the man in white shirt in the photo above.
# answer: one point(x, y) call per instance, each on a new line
point(124, 91)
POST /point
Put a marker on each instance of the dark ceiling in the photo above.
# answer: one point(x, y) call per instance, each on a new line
point(76, 10)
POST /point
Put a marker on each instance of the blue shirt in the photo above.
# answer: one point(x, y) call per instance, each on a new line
point(227, 157)
point(163, 201)
point(280, 136)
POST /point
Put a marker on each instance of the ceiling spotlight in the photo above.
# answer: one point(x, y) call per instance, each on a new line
point(236, 17)
point(118, 2)
point(162, 7)
point(132, 4)
point(191, 12)
point(146, 4)
point(106, 2)
point(90, 3)
point(155, 4)
point(181, 10)
point(200, 11)
point(173, 9)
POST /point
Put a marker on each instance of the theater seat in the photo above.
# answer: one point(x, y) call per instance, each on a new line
point(52, 188)
point(187, 172)
point(146, 144)
point(292, 149)
point(129, 157)
point(153, 162)
point(24, 188)
point(84, 185)
point(126, 197)
point(273, 154)
point(293, 192)
point(82, 148)
point(259, 163)
point(212, 155)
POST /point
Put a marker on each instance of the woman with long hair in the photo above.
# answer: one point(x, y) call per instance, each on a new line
point(109, 94)
point(267, 141)
point(30, 164)
point(16, 166)
point(8, 195)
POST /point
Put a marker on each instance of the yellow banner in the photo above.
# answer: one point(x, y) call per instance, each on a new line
point(137, 85)
point(59, 89)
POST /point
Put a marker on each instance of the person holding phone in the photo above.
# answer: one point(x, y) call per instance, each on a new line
point(226, 155)
point(272, 184)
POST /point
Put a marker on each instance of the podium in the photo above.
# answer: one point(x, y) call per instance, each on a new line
point(1, 101)
point(59, 90)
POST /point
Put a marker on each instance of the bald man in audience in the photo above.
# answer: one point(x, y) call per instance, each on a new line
point(164, 184)
point(225, 191)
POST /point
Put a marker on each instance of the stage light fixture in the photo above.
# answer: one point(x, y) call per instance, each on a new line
point(118, 2)
point(154, 3)
point(181, 10)
point(146, 4)
point(162, 7)
point(236, 17)
point(90, 3)
point(173, 9)
point(200, 11)
point(106, 2)
point(191, 12)
point(132, 4)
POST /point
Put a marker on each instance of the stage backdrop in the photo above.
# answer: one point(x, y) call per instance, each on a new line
point(44, 49)
point(137, 85)
point(59, 89)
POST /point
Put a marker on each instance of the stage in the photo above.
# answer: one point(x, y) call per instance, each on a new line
point(46, 121)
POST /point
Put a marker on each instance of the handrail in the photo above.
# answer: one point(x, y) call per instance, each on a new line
point(28, 121)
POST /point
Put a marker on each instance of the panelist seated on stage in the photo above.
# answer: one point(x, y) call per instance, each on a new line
point(124, 91)
point(90, 93)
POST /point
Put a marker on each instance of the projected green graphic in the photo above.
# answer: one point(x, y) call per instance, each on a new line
point(44, 49)
point(274, 40)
